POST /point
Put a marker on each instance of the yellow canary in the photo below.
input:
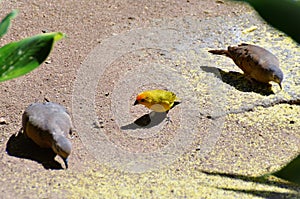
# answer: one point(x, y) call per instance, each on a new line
point(157, 100)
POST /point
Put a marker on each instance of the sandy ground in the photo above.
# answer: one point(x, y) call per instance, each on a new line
point(256, 130)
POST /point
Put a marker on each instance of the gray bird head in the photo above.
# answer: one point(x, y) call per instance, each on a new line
point(62, 146)
point(277, 76)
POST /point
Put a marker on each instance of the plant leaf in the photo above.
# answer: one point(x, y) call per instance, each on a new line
point(281, 14)
point(291, 171)
point(5, 23)
point(19, 58)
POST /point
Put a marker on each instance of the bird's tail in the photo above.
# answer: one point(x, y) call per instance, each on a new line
point(220, 52)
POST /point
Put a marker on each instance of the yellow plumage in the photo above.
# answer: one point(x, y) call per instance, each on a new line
point(157, 100)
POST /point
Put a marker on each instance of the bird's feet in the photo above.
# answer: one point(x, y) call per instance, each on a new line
point(168, 120)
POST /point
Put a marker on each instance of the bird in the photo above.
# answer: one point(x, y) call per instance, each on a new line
point(47, 124)
point(157, 100)
point(256, 62)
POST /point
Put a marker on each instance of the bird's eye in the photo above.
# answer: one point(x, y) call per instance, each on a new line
point(142, 100)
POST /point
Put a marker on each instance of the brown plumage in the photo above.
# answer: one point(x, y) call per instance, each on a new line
point(256, 62)
point(48, 124)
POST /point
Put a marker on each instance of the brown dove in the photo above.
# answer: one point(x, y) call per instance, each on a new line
point(48, 124)
point(256, 62)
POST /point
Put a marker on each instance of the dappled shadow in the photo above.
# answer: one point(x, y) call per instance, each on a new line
point(20, 146)
point(265, 194)
point(239, 81)
point(260, 180)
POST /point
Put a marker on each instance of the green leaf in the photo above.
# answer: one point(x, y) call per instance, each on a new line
point(5, 23)
point(282, 14)
point(290, 172)
point(19, 58)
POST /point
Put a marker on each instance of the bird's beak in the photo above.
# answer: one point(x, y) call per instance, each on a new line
point(280, 86)
point(135, 103)
point(66, 162)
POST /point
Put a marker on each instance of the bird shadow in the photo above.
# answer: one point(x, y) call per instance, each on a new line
point(239, 81)
point(20, 146)
point(259, 180)
point(148, 120)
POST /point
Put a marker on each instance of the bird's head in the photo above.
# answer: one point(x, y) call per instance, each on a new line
point(143, 99)
point(62, 146)
point(277, 76)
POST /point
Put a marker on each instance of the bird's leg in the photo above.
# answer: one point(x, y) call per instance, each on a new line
point(249, 78)
point(251, 81)
point(168, 118)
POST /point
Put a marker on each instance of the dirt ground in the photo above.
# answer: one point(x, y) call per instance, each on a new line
point(30, 172)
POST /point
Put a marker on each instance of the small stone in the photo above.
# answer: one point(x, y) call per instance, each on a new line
point(3, 121)
point(207, 11)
